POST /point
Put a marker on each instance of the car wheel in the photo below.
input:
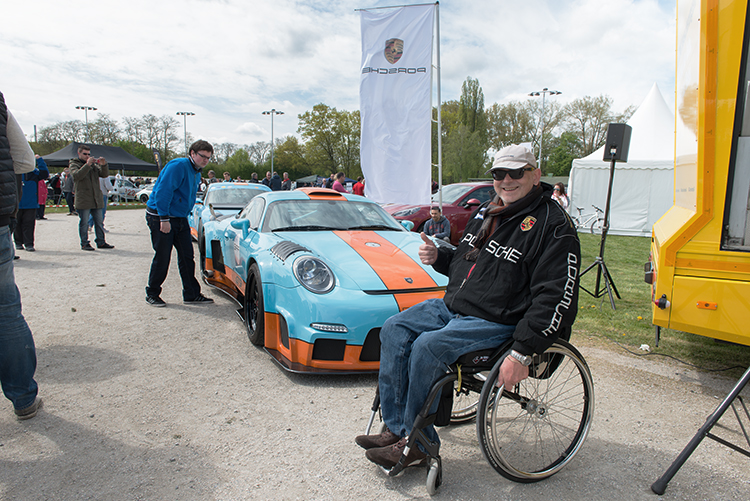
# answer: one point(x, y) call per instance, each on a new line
point(202, 250)
point(254, 309)
point(144, 199)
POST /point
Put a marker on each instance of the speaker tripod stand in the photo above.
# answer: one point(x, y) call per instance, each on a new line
point(604, 282)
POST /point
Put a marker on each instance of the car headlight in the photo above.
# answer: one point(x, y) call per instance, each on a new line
point(314, 274)
point(406, 212)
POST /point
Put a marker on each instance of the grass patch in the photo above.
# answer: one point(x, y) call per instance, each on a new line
point(630, 324)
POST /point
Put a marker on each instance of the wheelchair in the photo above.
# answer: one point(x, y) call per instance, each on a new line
point(527, 433)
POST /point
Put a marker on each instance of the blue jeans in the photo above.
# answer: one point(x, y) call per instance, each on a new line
point(17, 351)
point(416, 348)
point(83, 226)
point(179, 238)
point(104, 213)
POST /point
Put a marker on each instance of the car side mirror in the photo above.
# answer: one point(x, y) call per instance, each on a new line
point(472, 202)
point(409, 225)
point(241, 224)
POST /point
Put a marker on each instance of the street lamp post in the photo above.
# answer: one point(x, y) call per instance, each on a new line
point(543, 93)
point(272, 113)
point(86, 113)
point(185, 114)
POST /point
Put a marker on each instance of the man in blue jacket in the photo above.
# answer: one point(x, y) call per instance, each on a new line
point(23, 235)
point(167, 209)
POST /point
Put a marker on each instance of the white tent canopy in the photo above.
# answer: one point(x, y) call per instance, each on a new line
point(643, 187)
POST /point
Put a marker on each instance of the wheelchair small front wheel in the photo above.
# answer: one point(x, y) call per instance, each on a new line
point(434, 476)
point(531, 431)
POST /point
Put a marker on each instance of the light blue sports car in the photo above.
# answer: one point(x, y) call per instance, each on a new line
point(222, 199)
point(316, 273)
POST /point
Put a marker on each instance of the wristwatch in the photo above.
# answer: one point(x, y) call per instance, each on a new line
point(523, 359)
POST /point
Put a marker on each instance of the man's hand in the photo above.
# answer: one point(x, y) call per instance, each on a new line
point(427, 251)
point(511, 373)
point(165, 226)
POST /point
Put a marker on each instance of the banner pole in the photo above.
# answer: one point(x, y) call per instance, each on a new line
point(439, 105)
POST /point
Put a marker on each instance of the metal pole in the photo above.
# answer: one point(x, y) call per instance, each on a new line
point(543, 93)
point(439, 120)
point(86, 115)
point(184, 125)
point(272, 112)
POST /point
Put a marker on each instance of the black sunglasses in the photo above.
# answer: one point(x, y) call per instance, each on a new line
point(499, 174)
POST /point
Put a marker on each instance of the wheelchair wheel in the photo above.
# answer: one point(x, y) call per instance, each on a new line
point(530, 432)
point(465, 403)
point(434, 476)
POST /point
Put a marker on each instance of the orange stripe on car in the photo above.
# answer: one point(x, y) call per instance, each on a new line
point(390, 263)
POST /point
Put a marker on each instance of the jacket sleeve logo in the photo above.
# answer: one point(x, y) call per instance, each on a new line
point(394, 49)
point(528, 223)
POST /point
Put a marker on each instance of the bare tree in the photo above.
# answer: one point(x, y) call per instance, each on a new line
point(588, 118)
point(223, 151)
point(258, 151)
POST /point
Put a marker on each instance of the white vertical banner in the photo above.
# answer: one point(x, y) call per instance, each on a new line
point(394, 103)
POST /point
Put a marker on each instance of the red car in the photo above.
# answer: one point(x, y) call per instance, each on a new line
point(459, 201)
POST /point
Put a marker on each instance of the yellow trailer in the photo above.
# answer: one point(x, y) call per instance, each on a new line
point(700, 253)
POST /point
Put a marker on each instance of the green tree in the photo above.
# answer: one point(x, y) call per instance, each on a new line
point(562, 151)
point(588, 118)
point(464, 155)
point(465, 146)
point(331, 139)
point(511, 123)
point(471, 111)
point(289, 156)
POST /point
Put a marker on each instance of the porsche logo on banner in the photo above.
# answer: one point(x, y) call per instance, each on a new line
point(394, 49)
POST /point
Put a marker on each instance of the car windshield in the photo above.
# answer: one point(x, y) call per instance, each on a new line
point(452, 193)
point(326, 215)
point(237, 197)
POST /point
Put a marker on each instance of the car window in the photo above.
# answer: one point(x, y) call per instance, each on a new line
point(253, 212)
point(317, 215)
point(482, 194)
point(233, 196)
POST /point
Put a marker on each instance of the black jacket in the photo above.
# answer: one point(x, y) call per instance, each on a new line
point(526, 274)
point(8, 190)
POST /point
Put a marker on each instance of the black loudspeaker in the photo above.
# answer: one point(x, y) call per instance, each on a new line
point(618, 139)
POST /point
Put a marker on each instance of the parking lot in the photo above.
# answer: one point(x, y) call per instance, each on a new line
point(175, 403)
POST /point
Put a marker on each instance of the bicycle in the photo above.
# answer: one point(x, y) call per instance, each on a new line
point(593, 221)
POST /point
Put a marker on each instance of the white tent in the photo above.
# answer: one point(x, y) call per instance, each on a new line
point(643, 187)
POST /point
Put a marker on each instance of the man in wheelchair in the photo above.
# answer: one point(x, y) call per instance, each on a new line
point(513, 275)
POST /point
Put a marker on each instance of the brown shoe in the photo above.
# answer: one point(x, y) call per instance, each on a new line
point(374, 441)
point(30, 411)
point(388, 456)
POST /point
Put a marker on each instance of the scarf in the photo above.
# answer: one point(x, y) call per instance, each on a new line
point(496, 211)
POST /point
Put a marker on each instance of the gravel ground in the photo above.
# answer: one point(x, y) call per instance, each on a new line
point(175, 403)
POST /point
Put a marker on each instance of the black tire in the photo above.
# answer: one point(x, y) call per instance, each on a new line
point(202, 253)
point(533, 430)
point(144, 199)
point(254, 309)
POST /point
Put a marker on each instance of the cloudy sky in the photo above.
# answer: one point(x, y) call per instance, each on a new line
point(229, 60)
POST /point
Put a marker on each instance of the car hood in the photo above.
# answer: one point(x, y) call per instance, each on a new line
point(368, 260)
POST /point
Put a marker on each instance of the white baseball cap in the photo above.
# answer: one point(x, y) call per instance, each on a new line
point(513, 157)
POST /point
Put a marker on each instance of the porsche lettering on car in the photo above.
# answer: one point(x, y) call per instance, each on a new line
point(316, 273)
